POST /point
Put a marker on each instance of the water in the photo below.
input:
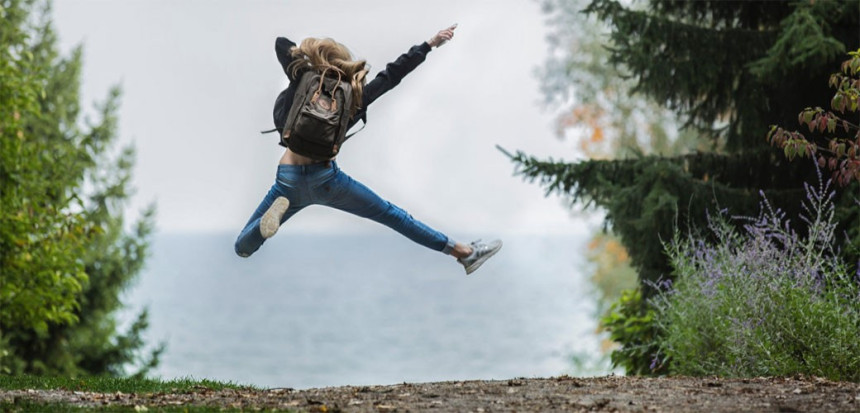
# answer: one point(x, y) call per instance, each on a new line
point(315, 310)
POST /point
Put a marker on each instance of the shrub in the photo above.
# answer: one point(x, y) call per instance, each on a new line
point(632, 324)
point(764, 301)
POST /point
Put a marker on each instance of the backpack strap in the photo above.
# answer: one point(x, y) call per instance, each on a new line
point(363, 120)
point(333, 89)
point(363, 124)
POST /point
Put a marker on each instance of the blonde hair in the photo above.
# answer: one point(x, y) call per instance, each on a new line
point(321, 54)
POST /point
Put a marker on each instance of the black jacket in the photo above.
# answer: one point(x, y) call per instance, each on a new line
point(383, 82)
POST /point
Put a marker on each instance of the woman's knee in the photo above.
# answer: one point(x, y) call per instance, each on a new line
point(395, 217)
point(244, 246)
point(240, 251)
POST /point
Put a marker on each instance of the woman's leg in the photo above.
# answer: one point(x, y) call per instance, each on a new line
point(250, 239)
point(351, 196)
point(286, 185)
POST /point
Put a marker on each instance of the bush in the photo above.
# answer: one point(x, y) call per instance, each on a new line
point(765, 301)
point(66, 250)
point(631, 323)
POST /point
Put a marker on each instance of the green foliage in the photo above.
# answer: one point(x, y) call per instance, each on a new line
point(728, 70)
point(715, 62)
point(106, 384)
point(65, 255)
point(633, 323)
point(27, 406)
point(765, 302)
point(594, 99)
point(805, 38)
point(111, 385)
point(696, 58)
point(648, 198)
point(40, 242)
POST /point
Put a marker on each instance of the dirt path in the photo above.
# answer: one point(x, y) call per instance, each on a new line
point(621, 394)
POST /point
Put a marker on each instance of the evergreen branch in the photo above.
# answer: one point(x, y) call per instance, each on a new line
point(698, 72)
point(647, 198)
point(612, 9)
point(598, 182)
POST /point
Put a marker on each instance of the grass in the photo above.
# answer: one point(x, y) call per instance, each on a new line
point(113, 384)
point(110, 385)
point(27, 406)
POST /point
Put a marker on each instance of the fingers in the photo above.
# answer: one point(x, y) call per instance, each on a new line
point(443, 36)
point(449, 32)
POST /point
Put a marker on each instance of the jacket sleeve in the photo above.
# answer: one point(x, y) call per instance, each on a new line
point(394, 72)
point(282, 50)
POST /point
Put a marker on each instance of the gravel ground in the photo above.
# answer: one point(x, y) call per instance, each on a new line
point(610, 394)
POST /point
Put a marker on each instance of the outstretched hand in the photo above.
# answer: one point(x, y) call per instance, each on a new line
point(442, 37)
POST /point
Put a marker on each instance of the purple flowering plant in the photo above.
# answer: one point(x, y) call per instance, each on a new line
point(762, 301)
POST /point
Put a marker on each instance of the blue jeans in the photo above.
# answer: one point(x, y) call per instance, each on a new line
point(325, 184)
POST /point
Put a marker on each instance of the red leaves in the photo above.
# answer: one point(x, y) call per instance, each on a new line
point(818, 119)
point(793, 143)
point(854, 66)
point(842, 156)
point(838, 103)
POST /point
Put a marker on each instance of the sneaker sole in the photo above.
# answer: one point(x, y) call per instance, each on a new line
point(477, 264)
point(271, 220)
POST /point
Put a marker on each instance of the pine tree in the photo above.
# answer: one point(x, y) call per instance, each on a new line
point(65, 254)
point(598, 113)
point(729, 70)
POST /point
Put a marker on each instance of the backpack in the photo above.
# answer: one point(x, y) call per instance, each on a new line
point(319, 117)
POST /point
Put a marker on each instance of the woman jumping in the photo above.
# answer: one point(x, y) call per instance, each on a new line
point(302, 181)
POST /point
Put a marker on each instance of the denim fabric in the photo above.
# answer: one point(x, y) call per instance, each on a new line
point(325, 184)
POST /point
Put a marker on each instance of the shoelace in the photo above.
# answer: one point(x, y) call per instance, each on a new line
point(479, 247)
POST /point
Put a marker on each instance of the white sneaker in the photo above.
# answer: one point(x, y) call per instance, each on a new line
point(271, 220)
point(481, 251)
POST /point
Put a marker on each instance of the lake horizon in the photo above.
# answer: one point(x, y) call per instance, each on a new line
point(321, 310)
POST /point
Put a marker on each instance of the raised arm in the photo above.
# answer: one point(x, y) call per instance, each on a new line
point(282, 50)
point(395, 71)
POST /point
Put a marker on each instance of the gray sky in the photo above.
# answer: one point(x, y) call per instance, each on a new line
point(200, 77)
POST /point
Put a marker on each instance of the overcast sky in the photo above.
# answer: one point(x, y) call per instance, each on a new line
point(199, 78)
